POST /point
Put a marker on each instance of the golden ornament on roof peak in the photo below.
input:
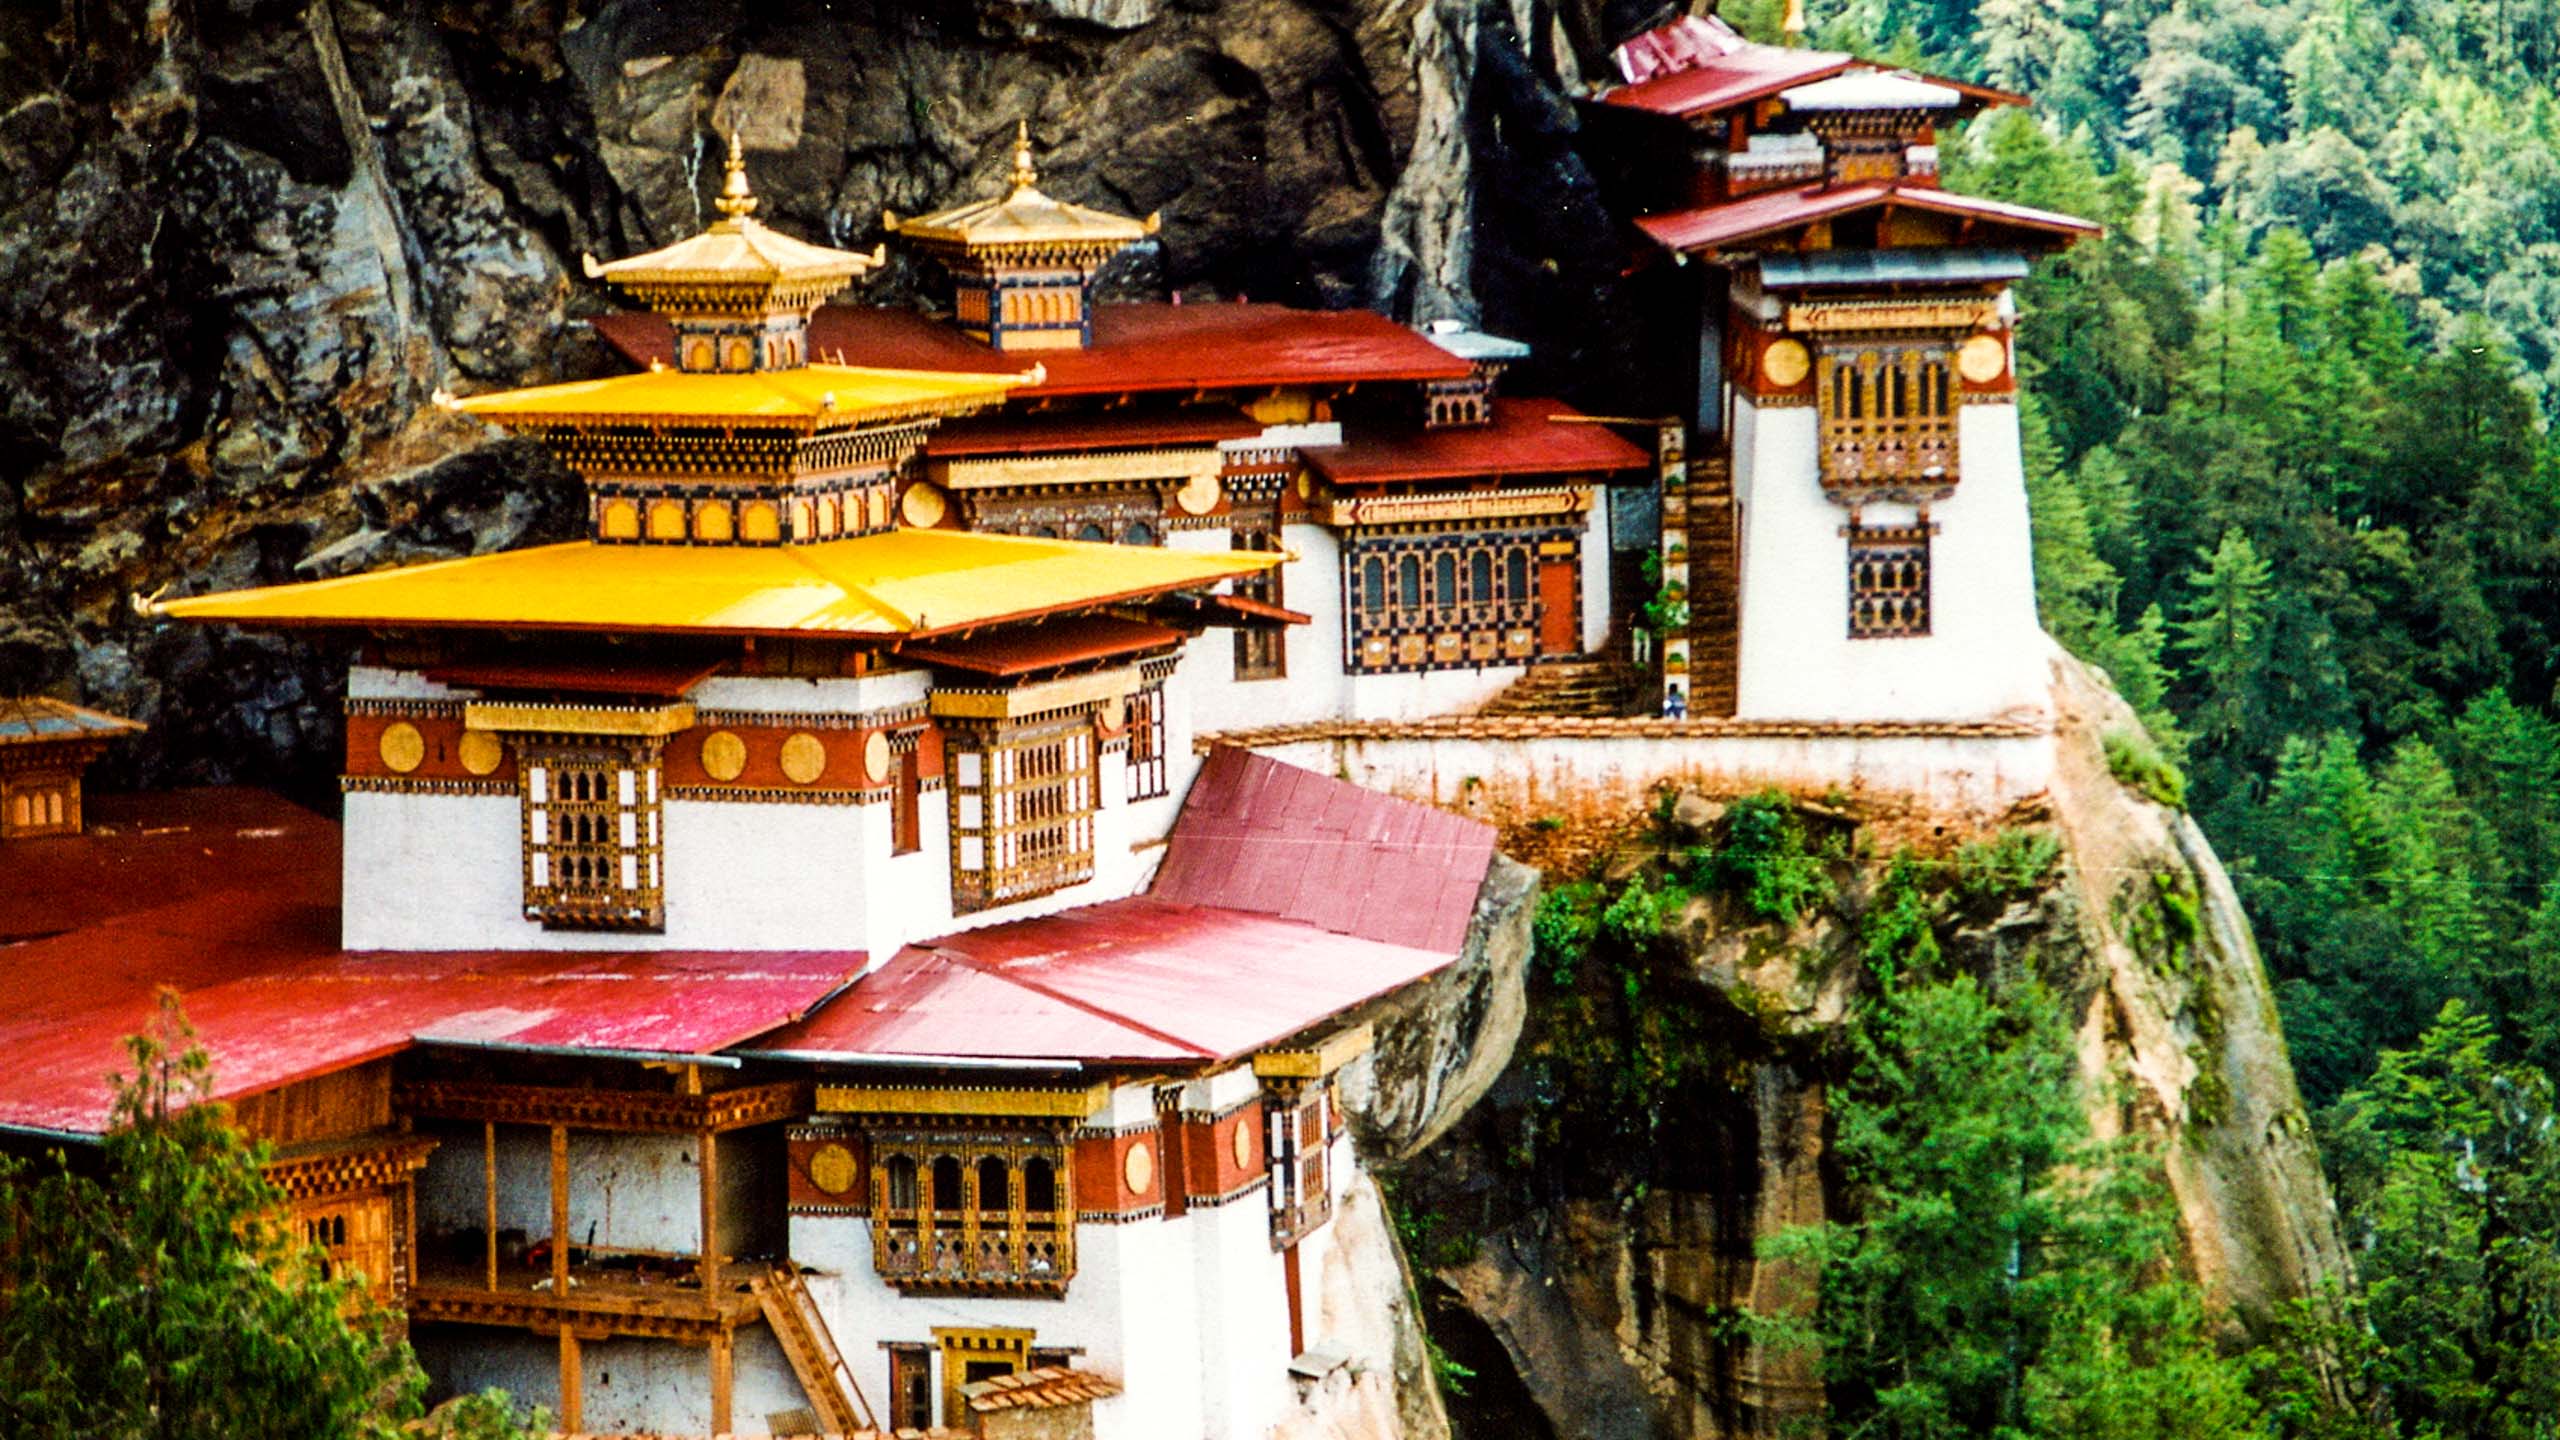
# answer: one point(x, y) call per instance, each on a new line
point(736, 200)
point(1024, 177)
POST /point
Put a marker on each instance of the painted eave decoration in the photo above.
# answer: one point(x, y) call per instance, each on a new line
point(904, 583)
point(1764, 216)
point(808, 399)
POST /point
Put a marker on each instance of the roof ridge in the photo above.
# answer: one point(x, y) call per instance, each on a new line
point(996, 972)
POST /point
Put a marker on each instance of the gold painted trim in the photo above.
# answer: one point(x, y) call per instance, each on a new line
point(1047, 695)
point(1005, 1103)
point(1188, 464)
point(1375, 510)
point(1838, 315)
point(1334, 1052)
point(640, 720)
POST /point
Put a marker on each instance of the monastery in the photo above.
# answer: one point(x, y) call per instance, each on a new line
point(889, 929)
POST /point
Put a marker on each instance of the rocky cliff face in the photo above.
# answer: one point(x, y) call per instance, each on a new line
point(242, 242)
point(1593, 1282)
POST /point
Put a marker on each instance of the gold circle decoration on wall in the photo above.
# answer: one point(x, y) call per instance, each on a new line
point(403, 748)
point(1785, 363)
point(1198, 495)
point(875, 756)
point(924, 505)
point(831, 1169)
point(724, 755)
point(804, 758)
point(1982, 359)
point(1139, 1168)
point(1244, 1144)
point(481, 752)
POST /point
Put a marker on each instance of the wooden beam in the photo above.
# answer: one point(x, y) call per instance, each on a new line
point(722, 1368)
point(489, 1192)
point(641, 1111)
point(560, 1213)
point(573, 1408)
point(710, 1220)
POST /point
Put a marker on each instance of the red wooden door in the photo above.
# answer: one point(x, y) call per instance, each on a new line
point(1559, 619)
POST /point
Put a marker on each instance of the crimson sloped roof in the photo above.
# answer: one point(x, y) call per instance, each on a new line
point(1527, 437)
point(1136, 348)
point(1706, 226)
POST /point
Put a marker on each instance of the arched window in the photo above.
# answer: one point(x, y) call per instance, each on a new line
point(1140, 533)
point(902, 1183)
point(1094, 533)
point(1444, 579)
point(1409, 582)
point(946, 1183)
point(1515, 573)
point(1373, 584)
point(995, 1187)
point(1039, 1187)
point(1480, 577)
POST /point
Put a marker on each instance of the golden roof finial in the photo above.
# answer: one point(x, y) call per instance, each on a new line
point(736, 200)
point(1024, 177)
point(1793, 25)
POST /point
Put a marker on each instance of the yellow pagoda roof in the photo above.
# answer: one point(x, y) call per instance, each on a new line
point(737, 254)
point(807, 398)
point(1024, 218)
point(896, 584)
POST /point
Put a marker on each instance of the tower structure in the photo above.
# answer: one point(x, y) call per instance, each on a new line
point(1022, 267)
point(1855, 371)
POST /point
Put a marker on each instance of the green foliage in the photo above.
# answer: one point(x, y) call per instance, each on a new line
point(2138, 764)
point(1765, 860)
point(162, 1294)
point(2011, 865)
point(1561, 929)
point(1453, 1377)
point(1999, 1272)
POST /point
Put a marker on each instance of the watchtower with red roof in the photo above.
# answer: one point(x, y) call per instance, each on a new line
point(1854, 540)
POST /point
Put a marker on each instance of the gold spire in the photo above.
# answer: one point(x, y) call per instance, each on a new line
point(736, 200)
point(1793, 25)
point(1024, 177)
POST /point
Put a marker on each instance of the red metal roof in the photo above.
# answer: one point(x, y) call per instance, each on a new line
point(1024, 649)
point(1725, 81)
point(1136, 348)
point(145, 851)
point(1045, 433)
point(628, 678)
point(1711, 225)
point(1134, 981)
point(1682, 44)
point(1285, 898)
point(1527, 437)
point(246, 931)
point(1258, 835)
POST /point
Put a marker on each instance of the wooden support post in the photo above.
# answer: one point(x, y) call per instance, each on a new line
point(560, 1214)
point(722, 1372)
point(710, 1217)
point(573, 1408)
point(489, 1191)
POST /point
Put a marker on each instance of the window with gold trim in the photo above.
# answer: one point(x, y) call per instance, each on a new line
point(593, 828)
point(1297, 1143)
point(955, 1210)
point(1148, 770)
point(1436, 600)
point(1023, 797)
point(1888, 417)
point(1888, 581)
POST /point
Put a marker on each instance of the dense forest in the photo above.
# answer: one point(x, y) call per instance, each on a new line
point(2296, 491)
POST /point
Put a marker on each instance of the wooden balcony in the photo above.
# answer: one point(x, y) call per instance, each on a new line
point(657, 1296)
point(953, 1256)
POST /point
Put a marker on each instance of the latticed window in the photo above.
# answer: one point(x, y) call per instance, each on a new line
point(1888, 418)
point(593, 841)
point(1296, 1147)
point(1888, 581)
point(955, 1211)
point(1261, 650)
point(1023, 795)
point(1427, 601)
point(1148, 776)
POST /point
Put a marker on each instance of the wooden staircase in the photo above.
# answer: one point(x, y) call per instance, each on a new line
point(1597, 685)
point(833, 1393)
point(1715, 584)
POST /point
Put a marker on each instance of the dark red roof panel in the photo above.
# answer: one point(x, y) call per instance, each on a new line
point(1711, 225)
point(1729, 80)
point(1136, 348)
point(1131, 981)
point(1048, 433)
point(1022, 649)
point(145, 851)
point(1527, 437)
point(1261, 836)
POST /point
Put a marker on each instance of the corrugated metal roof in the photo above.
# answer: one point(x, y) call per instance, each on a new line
point(1867, 267)
point(1707, 226)
point(1137, 348)
point(1527, 437)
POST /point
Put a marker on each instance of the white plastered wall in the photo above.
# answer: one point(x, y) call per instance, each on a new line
point(1984, 657)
